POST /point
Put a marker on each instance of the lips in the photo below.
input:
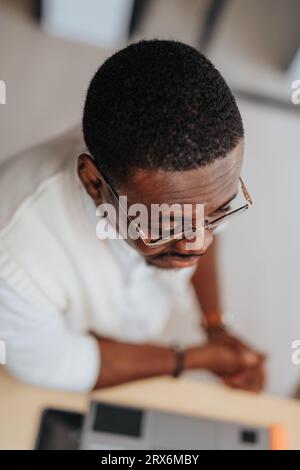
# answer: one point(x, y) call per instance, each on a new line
point(175, 261)
point(183, 261)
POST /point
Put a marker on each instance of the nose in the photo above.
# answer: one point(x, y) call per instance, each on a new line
point(185, 247)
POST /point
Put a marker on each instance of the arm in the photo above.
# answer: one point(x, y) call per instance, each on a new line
point(123, 362)
point(206, 285)
point(43, 350)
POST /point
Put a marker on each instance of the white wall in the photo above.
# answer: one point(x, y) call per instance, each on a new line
point(41, 72)
point(261, 249)
point(98, 22)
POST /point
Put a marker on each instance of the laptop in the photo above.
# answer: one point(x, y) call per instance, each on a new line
point(114, 427)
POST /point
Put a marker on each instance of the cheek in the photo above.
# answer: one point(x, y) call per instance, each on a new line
point(208, 239)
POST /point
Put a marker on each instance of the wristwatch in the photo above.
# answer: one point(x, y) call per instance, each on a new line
point(180, 357)
point(217, 320)
point(212, 321)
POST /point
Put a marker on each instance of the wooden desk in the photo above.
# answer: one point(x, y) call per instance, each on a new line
point(21, 405)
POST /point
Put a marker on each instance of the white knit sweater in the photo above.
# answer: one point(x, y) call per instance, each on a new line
point(59, 282)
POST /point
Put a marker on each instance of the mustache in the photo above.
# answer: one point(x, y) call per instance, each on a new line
point(174, 254)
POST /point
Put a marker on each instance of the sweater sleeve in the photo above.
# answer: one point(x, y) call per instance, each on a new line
point(42, 350)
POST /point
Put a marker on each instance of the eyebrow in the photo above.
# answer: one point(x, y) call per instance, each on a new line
point(173, 216)
point(224, 204)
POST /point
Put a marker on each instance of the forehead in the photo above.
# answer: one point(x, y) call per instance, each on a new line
point(212, 185)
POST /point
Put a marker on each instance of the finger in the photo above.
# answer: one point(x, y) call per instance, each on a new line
point(254, 388)
point(249, 380)
point(242, 346)
point(251, 385)
point(249, 358)
point(258, 371)
point(238, 344)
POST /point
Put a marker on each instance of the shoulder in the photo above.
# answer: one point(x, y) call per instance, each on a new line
point(22, 175)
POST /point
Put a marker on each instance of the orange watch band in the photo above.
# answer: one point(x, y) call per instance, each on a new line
point(212, 320)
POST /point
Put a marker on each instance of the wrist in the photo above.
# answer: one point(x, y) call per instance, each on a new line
point(198, 357)
point(213, 319)
point(216, 331)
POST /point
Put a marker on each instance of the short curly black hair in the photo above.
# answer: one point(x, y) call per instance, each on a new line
point(159, 104)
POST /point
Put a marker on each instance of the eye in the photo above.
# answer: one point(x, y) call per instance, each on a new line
point(224, 209)
point(219, 213)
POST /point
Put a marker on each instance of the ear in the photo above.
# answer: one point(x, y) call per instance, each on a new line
point(90, 177)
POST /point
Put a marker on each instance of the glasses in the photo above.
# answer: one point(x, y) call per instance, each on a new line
point(239, 210)
point(175, 232)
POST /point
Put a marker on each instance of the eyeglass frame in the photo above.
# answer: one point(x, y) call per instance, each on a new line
point(208, 226)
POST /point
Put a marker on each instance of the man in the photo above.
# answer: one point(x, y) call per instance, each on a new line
point(160, 126)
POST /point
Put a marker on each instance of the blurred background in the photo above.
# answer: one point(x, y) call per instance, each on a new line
point(49, 50)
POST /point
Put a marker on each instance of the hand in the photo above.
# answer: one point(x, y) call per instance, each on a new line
point(219, 335)
point(220, 358)
point(251, 378)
